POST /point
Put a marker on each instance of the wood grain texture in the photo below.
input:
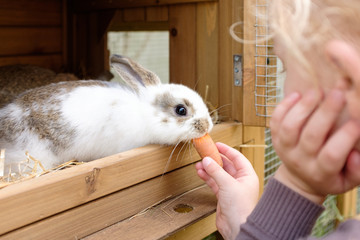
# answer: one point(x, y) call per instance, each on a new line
point(196, 231)
point(183, 44)
point(30, 13)
point(51, 61)
point(30, 40)
point(36, 199)
point(95, 215)
point(207, 56)
point(249, 110)
point(85, 5)
point(162, 220)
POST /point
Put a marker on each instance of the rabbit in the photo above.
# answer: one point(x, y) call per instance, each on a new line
point(15, 79)
point(91, 119)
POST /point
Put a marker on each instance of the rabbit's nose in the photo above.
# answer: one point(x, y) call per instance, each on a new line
point(201, 125)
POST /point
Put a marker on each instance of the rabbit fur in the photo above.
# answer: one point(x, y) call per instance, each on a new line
point(90, 119)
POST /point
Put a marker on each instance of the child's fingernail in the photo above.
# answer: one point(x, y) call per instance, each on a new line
point(206, 161)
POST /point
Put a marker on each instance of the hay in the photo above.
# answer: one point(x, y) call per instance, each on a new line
point(27, 169)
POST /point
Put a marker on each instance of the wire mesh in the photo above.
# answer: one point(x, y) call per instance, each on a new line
point(268, 68)
point(326, 222)
point(272, 161)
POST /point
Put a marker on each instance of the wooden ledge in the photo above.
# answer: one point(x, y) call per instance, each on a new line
point(59, 197)
point(165, 219)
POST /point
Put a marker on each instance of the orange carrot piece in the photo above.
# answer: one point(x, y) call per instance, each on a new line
point(206, 147)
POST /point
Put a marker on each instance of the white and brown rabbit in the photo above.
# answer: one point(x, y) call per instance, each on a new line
point(87, 120)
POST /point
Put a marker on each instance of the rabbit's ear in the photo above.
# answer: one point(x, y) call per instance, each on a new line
point(132, 73)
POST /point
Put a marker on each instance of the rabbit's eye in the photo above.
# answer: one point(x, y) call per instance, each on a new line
point(181, 110)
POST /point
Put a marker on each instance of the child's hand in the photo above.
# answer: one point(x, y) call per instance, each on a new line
point(236, 187)
point(316, 159)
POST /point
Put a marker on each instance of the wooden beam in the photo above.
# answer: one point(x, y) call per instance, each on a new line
point(225, 66)
point(52, 61)
point(347, 203)
point(198, 230)
point(85, 5)
point(163, 220)
point(157, 14)
point(250, 116)
point(39, 40)
point(96, 215)
point(207, 56)
point(38, 198)
point(30, 13)
point(255, 136)
point(183, 44)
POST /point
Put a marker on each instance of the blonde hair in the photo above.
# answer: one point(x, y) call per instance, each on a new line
point(303, 27)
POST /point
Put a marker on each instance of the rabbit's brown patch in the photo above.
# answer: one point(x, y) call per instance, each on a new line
point(189, 105)
point(8, 129)
point(166, 101)
point(201, 125)
point(43, 115)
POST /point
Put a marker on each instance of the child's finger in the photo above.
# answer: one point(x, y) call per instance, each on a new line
point(281, 110)
point(217, 173)
point(208, 180)
point(321, 122)
point(297, 117)
point(333, 155)
point(239, 160)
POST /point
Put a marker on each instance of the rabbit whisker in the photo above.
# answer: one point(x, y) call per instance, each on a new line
point(177, 157)
point(217, 109)
point(171, 154)
point(187, 145)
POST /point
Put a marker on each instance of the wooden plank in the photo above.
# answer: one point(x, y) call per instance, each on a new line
point(161, 221)
point(198, 230)
point(249, 111)
point(80, 44)
point(106, 211)
point(42, 197)
point(17, 41)
point(85, 5)
point(183, 44)
point(97, 46)
point(134, 15)
point(30, 13)
point(51, 61)
point(347, 203)
point(118, 23)
point(207, 36)
point(256, 155)
point(64, 32)
point(238, 100)
point(225, 59)
point(157, 14)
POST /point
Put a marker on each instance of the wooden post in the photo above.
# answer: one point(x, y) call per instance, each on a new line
point(256, 155)
point(183, 44)
point(347, 203)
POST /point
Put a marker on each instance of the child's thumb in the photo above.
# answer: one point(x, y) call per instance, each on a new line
point(214, 170)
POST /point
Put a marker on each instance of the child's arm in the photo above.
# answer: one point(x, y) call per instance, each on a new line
point(236, 187)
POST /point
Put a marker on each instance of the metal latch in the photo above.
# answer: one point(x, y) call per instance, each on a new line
point(237, 63)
